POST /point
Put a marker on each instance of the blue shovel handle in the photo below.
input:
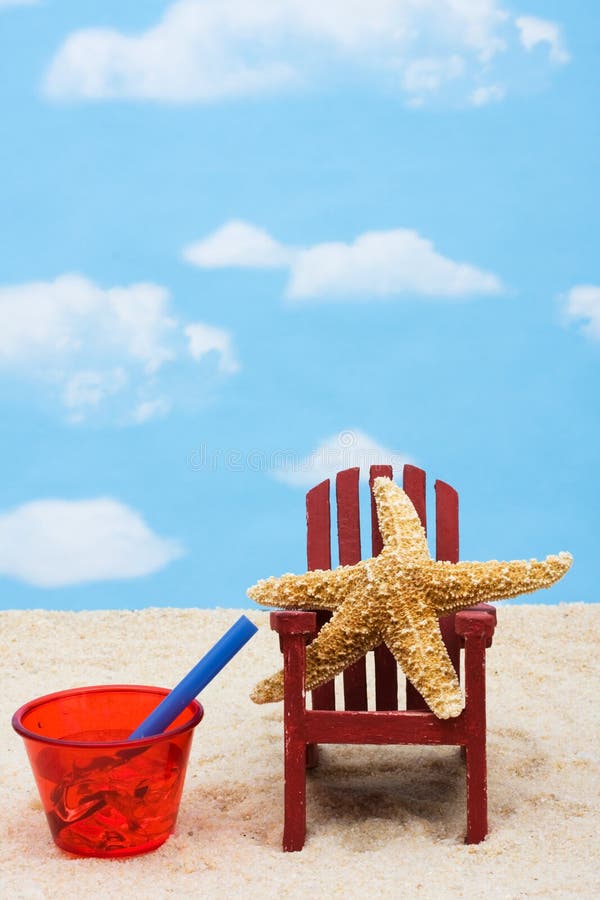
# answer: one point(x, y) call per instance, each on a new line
point(196, 680)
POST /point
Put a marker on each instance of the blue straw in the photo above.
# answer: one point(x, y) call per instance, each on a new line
point(196, 680)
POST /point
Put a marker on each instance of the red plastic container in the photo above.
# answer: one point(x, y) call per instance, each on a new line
point(104, 795)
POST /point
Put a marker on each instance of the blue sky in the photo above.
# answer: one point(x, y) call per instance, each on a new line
point(235, 234)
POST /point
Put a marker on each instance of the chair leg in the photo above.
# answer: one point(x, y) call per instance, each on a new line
point(476, 772)
point(294, 830)
point(474, 632)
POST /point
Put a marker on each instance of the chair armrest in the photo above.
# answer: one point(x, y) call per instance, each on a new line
point(295, 629)
point(485, 607)
point(293, 622)
point(478, 621)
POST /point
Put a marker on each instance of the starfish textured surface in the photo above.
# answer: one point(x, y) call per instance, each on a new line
point(397, 598)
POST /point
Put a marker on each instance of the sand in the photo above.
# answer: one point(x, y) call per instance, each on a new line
point(388, 821)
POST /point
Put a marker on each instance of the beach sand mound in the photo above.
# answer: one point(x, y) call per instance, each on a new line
point(386, 821)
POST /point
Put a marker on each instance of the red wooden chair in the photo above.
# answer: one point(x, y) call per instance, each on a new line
point(470, 631)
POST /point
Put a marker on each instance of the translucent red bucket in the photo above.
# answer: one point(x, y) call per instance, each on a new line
point(102, 794)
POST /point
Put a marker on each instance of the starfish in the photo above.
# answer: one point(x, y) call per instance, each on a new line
point(397, 598)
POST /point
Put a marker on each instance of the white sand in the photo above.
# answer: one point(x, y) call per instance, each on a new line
point(381, 821)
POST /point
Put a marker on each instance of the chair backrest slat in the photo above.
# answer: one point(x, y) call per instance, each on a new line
point(318, 527)
point(318, 553)
point(376, 539)
point(348, 527)
point(386, 668)
point(446, 522)
point(414, 482)
point(348, 516)
point(446, 548)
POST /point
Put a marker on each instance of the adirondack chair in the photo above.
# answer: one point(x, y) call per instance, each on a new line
point(470, 631)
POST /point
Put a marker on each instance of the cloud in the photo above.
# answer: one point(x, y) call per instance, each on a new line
point(203, 51)
point(424, 77)
point(55, 543)
point(238, 244)
point(376, 264)
point(341, 451)
point(95, 346)
point(151, 409)
point(87, 389)
point(204, 339)
point(583, 303)
point(491, 93)
point(534, 31)
point(49, 319)
point(384, 263)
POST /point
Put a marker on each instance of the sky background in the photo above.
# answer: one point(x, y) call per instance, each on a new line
point(245, 245)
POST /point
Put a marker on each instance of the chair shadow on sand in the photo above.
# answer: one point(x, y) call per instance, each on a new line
point(376, 793)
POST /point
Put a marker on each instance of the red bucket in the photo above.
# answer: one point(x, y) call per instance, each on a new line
point(102, 794)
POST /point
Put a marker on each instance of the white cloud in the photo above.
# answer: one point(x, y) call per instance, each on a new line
point(151, 409)
point(207, 50)
point(376, 264)
point(48, 319)
point(87, 389)
point(204, 339)
point(384, 263)
point(426, 76)
point(485, 94)
point(199, 51)
point(583, 303)
point(238, 244)
point(94, 345)
point(534, 31)
point(344, 450)
point(54, 543)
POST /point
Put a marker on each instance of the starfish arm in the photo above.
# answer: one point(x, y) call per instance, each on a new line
point(399, 522)
point(344, 639)
point(456, 586)
point(319, 589)
point(413, 635)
